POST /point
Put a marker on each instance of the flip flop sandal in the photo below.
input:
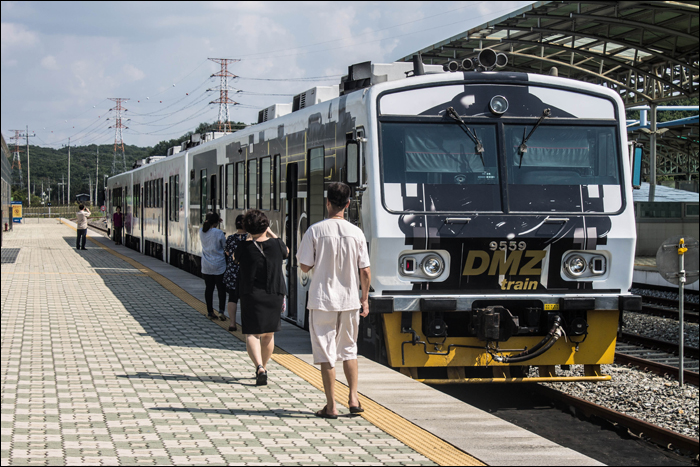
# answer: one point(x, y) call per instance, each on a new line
point(356, 410)
point(323, 413)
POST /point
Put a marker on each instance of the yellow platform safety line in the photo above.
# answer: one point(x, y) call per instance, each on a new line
point(423, 442)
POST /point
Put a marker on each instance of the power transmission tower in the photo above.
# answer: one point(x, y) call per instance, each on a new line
point(29, 180)
point(118, 137)
point(223, 101)
point(16, 161)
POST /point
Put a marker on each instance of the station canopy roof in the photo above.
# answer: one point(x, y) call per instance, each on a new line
point(647, 51)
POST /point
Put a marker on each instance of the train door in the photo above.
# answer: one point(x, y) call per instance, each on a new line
point(291, 239)
point(142, 200)
point(166, 222)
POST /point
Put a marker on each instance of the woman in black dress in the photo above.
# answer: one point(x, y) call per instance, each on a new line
point(262, 289)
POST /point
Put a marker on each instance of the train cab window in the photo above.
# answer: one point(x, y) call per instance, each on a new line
point(315, 185)
point(203, 192)
point(229, 186)
point(252, 184)
point(565, 169)
point(266, 183)
point(240, 185)
point(439, 167)
point(276, 183)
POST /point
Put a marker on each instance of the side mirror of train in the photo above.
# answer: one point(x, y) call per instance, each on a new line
point(637, 168)
point(352, 163)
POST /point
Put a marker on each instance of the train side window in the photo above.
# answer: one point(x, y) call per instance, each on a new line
point(203, 192)
point(352, 162)
point(315, 185)
point(148, 194)
point(240, 185)
point(170, 198)
point(160, 192)
point(266, 183)
point(277, 186)
point(213, 193)
point(175, 189)
point(253, 184)
point(137, 200)
point(229, 186)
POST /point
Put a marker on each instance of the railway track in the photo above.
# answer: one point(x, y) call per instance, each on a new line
point(655, 305)
point(659, 357)
point(635, 426)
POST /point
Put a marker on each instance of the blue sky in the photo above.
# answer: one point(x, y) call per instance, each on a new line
point(62, 61)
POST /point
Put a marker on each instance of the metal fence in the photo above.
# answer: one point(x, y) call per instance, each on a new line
point(58, 211)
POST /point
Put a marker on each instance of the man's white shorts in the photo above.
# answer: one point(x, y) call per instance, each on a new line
point(334, 335)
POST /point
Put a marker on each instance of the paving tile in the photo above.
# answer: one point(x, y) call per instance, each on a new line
point(127, 374)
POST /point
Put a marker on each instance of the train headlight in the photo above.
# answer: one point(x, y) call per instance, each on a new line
point(575, 265)
point(433, 265)
point(498, 105)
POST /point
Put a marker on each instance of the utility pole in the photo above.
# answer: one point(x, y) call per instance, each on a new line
point(90, 185)
point(97, 174)
point(16, 161)
point(223, 88)
point(27, 136)
point(68, 197)
point(63, 192)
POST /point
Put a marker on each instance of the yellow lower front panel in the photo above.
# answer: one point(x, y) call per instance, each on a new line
point(598, 348)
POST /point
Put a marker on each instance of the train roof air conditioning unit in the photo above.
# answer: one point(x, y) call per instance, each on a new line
point(365, 74)
point(314, 96)
point(273, 112)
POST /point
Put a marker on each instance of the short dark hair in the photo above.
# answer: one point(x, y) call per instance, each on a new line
point(338, 194)
point(239, 221)
point(119, 207)
point(81, 206)
point(255, 222)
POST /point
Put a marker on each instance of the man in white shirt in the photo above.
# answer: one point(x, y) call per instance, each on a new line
point(81, 226)
point(337, 252)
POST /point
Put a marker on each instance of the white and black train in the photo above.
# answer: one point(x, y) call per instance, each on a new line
point(497, 208)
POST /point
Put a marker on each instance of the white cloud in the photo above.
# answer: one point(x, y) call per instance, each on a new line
point(15, 36)
point(132, 73)
point(49, 62)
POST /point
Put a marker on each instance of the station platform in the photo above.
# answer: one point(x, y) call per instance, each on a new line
point(108, 358)
point(646, 272)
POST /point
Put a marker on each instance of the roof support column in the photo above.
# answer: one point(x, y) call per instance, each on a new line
point(652, 153)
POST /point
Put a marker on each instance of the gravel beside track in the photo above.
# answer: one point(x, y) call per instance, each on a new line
point(655, 399)
point(665, 329)
point(642, 395)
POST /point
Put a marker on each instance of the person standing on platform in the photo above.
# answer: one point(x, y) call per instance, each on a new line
point(232, 270)
point(81, 226)
point(337, 252)
point(262, 289)
point(213, 243)
point(117, 224)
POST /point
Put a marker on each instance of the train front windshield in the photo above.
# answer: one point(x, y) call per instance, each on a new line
point(444, 167)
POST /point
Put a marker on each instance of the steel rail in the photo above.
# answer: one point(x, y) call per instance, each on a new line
point(664, 346)
point(690, 377)
point(635, 426)
point(689, 316)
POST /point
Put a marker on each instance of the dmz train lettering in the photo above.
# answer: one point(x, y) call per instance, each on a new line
point(496, 207)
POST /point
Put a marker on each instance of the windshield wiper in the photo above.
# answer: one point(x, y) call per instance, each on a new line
point(479, 148)
point(522, 149)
